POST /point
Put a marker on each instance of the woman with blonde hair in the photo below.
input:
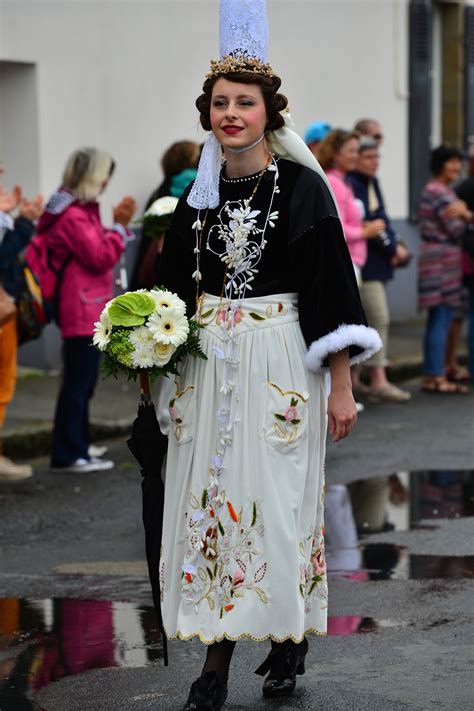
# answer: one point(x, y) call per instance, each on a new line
point(83, 253)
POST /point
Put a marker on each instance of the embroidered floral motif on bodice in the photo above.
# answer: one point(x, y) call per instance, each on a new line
point(238, 240)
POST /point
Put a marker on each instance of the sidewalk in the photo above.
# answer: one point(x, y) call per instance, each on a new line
point(28, 425)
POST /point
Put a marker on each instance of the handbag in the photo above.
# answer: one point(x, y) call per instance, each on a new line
point(7, 306)
point(31, 316)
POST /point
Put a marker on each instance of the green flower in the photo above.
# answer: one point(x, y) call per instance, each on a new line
point(120, 347)
point(131, 309)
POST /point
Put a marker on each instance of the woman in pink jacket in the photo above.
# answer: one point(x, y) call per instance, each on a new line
point(84, 253)
point(338, 155)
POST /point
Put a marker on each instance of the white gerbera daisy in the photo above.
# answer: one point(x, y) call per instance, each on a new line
point(167, 300)
point(168, 326)
point(102, 331)
point(141, 337)
point(163, 353)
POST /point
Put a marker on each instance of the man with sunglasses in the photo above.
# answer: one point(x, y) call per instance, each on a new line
point(370, 127)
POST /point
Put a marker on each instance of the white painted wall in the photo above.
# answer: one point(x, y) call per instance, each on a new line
point(124, 74)
point(19, 123)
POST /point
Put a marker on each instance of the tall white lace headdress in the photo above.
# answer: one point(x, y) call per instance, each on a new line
point(244, 47)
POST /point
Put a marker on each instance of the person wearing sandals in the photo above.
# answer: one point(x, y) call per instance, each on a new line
point(256, 249)
point(377, 270)
point(465, 191)
point(443, 220)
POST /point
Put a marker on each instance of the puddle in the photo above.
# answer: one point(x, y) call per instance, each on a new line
point(388, 561)
point(401, 502)
point(42, 641)
point(410, 500)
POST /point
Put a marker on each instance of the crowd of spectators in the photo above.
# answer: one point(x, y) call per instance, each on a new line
point(83, 252)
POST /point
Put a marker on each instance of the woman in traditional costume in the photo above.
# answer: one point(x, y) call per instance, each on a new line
point(257, 241)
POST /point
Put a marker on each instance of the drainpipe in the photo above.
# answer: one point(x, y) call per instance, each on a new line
point(469, 75)
point(420, 102)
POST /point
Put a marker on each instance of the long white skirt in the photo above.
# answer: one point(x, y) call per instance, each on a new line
point(243, 537)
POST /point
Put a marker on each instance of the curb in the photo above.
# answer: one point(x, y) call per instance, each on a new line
point(27, 442)
point(35, 440)
point(399, 372)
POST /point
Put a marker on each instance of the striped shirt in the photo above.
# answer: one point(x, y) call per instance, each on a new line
point(439, 262)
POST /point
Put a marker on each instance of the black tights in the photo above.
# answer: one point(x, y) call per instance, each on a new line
point(218, 659)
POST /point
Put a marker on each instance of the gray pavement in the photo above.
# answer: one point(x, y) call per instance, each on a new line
point(29, 416)
point(80, 536)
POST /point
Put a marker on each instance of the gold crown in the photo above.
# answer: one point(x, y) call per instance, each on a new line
point(241, 63)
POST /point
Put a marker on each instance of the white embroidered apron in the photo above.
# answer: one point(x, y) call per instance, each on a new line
point(243, 537)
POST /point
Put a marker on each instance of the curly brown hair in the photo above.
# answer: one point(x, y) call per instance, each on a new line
point(180, 155)
point(274, 102)
point(332, 144)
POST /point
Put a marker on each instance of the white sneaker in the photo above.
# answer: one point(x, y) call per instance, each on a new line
point(102, 464)
point(9, 471)
point(97, 451)
point(94, 464)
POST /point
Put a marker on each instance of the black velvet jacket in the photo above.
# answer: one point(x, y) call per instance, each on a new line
point(306, 253)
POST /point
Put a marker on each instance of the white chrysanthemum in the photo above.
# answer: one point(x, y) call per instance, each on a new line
point(163, 206)
point(163, 352)
point(141, 337)
point(102, 331)
point(143, 356)
point(168, 326)
point(167, 300)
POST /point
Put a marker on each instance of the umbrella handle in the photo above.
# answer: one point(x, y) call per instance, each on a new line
point(145, 391)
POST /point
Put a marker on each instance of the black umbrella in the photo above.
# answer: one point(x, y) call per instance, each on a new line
point(148, 445)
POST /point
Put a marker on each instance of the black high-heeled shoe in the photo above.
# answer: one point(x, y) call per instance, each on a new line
point(284, 662)
point(207, 694)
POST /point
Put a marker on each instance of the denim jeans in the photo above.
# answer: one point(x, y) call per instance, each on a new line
point(471, 331)
point(436, 335)
point(71, 421)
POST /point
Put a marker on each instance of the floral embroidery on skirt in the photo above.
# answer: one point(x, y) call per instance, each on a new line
point(223, 559)
point(243, 547)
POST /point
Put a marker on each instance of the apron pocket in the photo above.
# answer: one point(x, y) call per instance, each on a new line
point(286, 417)
point(182, 411)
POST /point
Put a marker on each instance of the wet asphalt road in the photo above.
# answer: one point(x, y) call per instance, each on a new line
point(80, 536)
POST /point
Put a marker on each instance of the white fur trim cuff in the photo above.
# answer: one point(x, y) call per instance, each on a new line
point(346, 335)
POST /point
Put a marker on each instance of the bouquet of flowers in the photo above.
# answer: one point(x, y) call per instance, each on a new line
point(157, 218)
point(145, 332)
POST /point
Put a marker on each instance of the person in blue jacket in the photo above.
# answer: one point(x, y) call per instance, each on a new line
point(384, 252)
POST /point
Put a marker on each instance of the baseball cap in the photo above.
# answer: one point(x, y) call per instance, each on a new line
point(316, 131)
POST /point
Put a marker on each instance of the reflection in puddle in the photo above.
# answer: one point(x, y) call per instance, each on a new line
point(42, 641)
point(401, 502)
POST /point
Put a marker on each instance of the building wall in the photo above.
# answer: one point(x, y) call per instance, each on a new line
point(124, 75)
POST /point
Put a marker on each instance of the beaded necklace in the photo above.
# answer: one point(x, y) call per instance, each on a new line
point(199, 226)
